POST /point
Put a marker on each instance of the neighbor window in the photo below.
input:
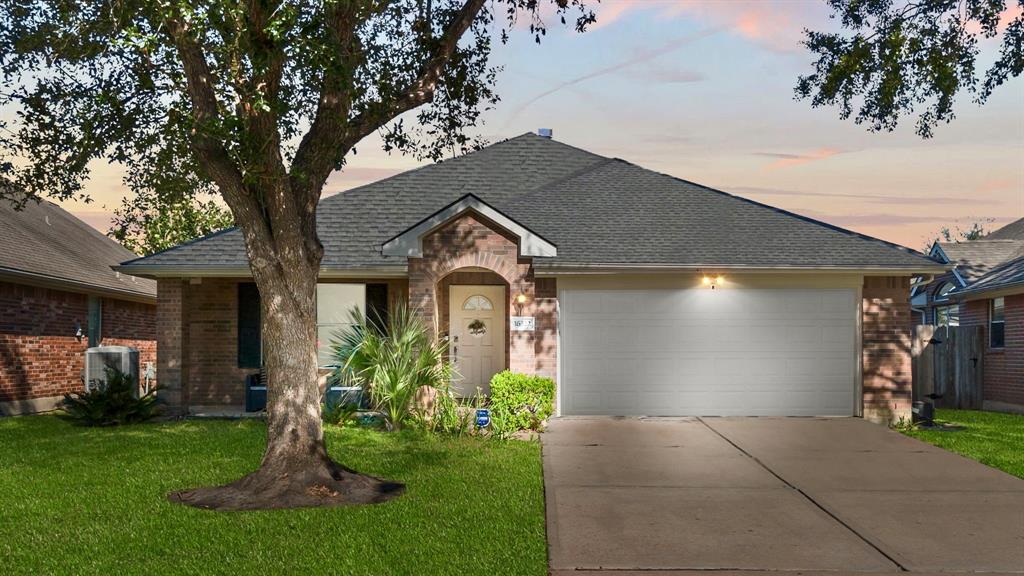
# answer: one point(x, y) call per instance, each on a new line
point(947, 316)
point(996, 323)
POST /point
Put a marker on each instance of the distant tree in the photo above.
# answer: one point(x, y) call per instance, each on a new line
point(149, 223)
point(957, 234)
point(261, 100)
point(897, 56)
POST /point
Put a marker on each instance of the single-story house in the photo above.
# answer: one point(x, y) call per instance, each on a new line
point(638, 292)
point(984, 287)
point(969, 261)
point(58, 296)
point(995, 301)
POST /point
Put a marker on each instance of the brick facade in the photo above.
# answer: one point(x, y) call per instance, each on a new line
point(1003, 367)
point(472, 242)
point(886, 336)
point(198, 321)
point(198, 340)
point(40, 355)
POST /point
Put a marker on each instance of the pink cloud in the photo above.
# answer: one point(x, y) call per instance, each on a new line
point(777, 25)
point(789, 160)
point(993, 185)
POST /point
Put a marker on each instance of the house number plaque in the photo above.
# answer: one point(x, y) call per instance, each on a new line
point(522, 323)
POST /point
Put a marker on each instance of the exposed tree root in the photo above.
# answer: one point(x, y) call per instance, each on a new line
point(323, 484)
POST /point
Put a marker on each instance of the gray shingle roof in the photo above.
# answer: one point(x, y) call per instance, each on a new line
point(1012, 231)
point(44, 242)
point(597, 210)
point(976, 258)
point(1007, 275)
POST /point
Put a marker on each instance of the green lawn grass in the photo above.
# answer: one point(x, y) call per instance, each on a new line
point(991, 438)
point(79, 500)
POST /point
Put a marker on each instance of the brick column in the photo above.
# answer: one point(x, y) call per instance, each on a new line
point(886, 330)
point(172, 345)
point(546, 336)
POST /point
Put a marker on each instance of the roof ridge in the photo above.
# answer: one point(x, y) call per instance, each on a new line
point(469, 154)
point(807, 219)
point(182, 245)
point(563, 179)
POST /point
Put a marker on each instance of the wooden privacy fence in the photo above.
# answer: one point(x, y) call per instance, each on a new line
point(948, 361)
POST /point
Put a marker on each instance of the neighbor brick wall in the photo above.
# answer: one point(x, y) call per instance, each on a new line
point(472, 241)
point(40, 356)
point(886, 330)
point(131, 324)
point(1003, 369)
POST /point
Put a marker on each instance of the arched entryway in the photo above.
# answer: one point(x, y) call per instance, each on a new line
point(473, 313)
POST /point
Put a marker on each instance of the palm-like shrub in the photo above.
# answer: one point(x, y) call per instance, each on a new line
point(392, 361)
point(115, 402)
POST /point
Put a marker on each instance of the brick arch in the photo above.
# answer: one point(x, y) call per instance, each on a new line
point(497, 264)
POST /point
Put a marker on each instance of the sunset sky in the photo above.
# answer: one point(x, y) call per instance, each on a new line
point(704, 91)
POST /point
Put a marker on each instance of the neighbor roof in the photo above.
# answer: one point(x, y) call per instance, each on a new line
point(1008, 276)
point(977, 258)
point(44, 244)
point(1012, 231)
point(598, 211)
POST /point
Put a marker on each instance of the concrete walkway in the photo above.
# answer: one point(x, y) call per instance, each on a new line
point(836, 495)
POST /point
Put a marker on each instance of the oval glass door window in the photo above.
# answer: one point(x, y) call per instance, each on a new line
point(477, 302)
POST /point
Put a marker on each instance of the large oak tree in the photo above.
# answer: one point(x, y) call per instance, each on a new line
point(895, 58)
point(260, 100)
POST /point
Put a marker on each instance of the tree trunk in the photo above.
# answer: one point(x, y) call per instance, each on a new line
point(296, 470)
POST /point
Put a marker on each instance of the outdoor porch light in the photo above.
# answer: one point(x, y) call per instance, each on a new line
point(520, 300)
point(713, 282)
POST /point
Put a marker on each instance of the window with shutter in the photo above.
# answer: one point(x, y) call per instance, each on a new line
point(249, 337)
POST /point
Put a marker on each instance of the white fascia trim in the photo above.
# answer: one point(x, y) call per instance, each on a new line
point(410, 243)
point(399, 271)
point(541, 270)
point(937, 251)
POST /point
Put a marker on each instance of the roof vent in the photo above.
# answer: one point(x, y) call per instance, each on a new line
point(545, 132)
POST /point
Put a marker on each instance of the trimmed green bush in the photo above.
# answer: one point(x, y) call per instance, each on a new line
point(521, 401)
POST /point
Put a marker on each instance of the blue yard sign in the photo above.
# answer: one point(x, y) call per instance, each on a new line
point(483, 417)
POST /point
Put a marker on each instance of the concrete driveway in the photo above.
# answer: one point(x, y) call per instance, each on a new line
point(771, 494)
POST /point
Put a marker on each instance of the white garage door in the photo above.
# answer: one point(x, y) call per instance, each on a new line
point(725, 352)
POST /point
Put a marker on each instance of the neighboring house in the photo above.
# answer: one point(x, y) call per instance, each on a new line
point(970, 261)
point(985, 288)
point(995, 301)
point(59, 295)
point(640, 293)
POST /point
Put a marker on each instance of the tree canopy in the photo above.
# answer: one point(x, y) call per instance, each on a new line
point(191, 94)
point(896, 58)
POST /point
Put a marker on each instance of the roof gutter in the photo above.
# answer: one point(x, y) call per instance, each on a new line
point(45, 281)
point(542, 269)
point(154, 271)
point(1007, 289)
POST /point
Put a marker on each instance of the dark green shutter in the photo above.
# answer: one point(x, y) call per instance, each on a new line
point(377, 305)
point(249, 345)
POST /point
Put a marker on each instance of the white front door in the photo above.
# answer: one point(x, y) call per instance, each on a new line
point(728, 352)
point(477, 336)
